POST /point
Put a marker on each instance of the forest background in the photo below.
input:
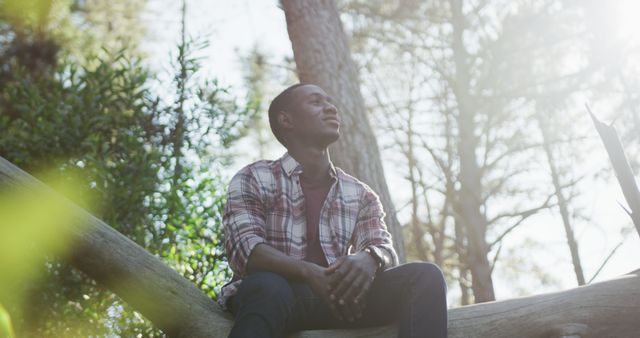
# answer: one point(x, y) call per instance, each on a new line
point(142, 110)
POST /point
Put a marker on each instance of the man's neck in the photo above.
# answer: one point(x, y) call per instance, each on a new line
point(315, 162)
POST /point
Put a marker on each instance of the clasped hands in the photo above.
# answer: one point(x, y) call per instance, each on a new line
point(345, 283)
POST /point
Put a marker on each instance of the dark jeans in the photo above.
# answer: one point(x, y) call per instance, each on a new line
point(412, 295)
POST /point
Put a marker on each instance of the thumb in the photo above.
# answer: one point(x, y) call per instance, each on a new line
point(334, 266)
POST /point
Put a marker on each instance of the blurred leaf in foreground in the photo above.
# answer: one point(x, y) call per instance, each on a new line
point(35, 224)
point(6, 330)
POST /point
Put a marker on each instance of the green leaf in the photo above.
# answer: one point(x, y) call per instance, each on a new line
point(6, 329)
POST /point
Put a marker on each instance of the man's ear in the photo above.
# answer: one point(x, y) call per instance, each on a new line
point(284, 120)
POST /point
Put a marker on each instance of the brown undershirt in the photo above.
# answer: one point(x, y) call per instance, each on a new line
point(315, 193)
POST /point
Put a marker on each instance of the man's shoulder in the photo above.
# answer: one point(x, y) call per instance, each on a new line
point(259, 172)
point(257, 168)
point(352, 184)
point(260, 165)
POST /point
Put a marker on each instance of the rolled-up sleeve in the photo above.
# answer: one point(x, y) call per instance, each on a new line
point(243, 220)
point(370, 226)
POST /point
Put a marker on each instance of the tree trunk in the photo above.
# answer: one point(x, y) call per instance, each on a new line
point(562, 203)
point(322, 57)
point(417, 233)
point(470, 193)
point(176, 306)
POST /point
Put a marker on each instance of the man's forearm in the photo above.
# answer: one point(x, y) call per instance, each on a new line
point(265, 258)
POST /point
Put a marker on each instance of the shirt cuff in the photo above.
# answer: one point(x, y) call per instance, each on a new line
point(248, 246)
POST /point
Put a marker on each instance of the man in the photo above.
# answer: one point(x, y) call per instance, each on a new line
point(308, 244)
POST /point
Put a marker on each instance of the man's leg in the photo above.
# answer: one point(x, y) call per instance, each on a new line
point(411, 295)
point(414, 296)
point(262, 306)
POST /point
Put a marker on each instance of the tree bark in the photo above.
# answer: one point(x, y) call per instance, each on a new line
point(176, 306)
point(322, 57)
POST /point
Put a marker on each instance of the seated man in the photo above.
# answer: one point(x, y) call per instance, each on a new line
point(308, 244)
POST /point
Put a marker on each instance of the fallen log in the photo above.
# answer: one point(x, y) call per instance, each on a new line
point(178, 308)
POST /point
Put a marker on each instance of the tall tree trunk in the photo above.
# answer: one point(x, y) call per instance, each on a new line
point(470, 199)
point(463, 266)
point(562, 203)
point(417, 233)
point(322, 57)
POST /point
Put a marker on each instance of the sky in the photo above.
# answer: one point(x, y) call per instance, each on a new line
point(234, 27)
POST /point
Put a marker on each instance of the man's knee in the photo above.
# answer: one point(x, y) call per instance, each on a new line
point(262, 306)
point(427, 273)
point(267, 286)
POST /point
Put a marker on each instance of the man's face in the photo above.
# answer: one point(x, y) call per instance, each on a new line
point(314, 118)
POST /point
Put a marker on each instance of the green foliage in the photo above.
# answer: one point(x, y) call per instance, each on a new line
point(147, 155)
point(6, 330)
point(95, 123)
point(149, 162)
point(197, 251)
point(205, 121)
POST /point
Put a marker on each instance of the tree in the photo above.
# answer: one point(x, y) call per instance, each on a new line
point(563, 203)
point(322, 57)
point(474, 72)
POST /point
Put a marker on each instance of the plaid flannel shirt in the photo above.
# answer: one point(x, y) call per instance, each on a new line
point(265, 204)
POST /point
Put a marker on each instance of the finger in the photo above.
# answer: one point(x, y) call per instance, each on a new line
point(344, 284)
point(341, 272)
point(348, 311)
point(334, 266)
point(355, 311)
point(338, 310)
point(355, 288)
point(359, 298)
point(363, 290)
point(334, 280)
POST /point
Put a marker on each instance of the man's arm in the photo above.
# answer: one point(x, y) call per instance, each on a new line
point(371, 230)
point(351, 276)
point(243, 220)
point(266, 258)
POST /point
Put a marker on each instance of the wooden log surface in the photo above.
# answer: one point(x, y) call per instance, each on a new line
point(606, 309)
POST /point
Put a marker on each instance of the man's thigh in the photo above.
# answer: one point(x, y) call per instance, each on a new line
point(262, 291)
point(383, 303)
point(385, 298)
point(310, 311)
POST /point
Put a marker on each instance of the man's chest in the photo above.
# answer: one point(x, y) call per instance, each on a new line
point(285, 211)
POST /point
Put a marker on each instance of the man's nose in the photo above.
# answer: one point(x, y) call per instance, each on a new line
point(330, 107)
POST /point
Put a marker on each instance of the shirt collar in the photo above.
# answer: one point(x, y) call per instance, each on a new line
point(291, 166)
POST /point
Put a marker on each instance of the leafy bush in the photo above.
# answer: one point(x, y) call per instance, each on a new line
point(148, 164)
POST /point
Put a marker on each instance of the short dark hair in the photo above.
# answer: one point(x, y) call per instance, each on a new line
point(282, 102)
